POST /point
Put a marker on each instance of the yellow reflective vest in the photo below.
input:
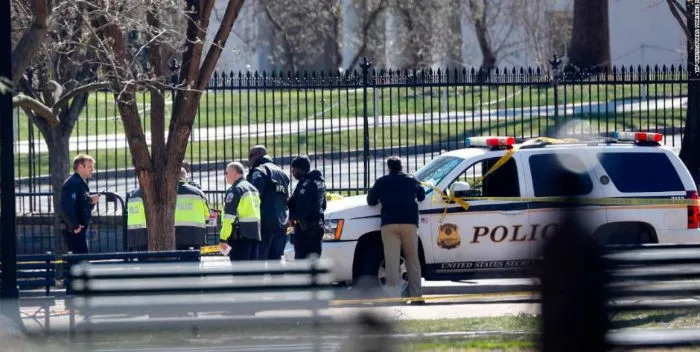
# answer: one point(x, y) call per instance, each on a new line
point(241, 218)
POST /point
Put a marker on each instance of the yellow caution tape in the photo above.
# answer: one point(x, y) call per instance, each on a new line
point(209, 249)
point(448, 197)
point(333, 196)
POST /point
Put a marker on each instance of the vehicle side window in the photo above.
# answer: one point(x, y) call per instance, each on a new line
point(550, 178)
point(641, 172)
point(503, 182)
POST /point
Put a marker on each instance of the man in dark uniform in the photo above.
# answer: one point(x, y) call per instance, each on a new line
point(273, 186)
point(240, 228)
point(77, 204)
point(306, 208)
point(191, 214)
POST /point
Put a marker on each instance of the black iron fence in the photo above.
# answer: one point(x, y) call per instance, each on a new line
point(348, 123)
point(36, 228)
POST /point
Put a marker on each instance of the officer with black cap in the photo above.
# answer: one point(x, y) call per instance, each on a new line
point(273, 186)
point(306, 208)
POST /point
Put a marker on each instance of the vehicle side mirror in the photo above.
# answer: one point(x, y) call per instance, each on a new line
point(461, 189)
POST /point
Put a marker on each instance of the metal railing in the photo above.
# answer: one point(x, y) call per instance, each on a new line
point(37, 230)
point(349, 123)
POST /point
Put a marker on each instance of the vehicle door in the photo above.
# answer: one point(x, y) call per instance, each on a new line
point(489, 234)
point(552, 175)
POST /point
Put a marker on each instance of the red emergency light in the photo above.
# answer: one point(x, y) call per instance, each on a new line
point(638, 136)
point(490, 141)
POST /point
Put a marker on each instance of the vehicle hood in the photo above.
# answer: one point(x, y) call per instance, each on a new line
point(351, 207)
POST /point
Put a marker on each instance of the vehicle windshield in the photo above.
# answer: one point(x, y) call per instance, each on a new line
point(436, 170)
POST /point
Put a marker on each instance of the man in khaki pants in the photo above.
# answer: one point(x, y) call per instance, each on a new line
point(399, 194)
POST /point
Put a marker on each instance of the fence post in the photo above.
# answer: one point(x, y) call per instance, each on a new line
point(365, 65)
point(555, 62)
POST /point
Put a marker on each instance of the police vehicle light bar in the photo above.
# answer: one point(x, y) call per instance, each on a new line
point(492, 141)
point(638, 136)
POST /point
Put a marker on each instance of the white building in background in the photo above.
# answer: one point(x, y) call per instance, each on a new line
point(642, 32)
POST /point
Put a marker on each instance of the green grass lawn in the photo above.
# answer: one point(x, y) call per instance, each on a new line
point(404, 135)
point(520, 333)
point(244, 107)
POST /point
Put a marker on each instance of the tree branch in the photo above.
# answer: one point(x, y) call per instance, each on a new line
point(30, 42)
point(70, 116)
point(157, 101)
point(365, 34)
point(23, 101)
point(124, 95)
point(79, 90)
point(285, 35)
point(181, 124)
point(232, 11)
point(673, 5)
point(192, 56)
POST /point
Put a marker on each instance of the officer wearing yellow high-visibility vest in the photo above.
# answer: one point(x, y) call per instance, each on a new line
point(137, 234)
point(191, 214)
point(241, 218)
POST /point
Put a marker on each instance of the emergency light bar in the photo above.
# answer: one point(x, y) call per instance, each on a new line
point(491, 141)
point(638, 136)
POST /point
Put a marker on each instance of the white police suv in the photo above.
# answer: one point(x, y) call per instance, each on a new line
point(500, 232)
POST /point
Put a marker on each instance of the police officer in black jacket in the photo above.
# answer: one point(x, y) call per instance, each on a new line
point(273, 186)
point(306, 208)
point(399, 194)
point(77, 204)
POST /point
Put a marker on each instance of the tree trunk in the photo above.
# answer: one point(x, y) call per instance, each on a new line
point(57, 143)
point(690, 146)
point(590, 38)
point(691, 135)
point(160, 197)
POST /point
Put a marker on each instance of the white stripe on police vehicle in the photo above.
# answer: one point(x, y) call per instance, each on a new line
point(490, 207)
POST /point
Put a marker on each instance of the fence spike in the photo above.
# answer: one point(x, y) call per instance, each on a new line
point(656, 68)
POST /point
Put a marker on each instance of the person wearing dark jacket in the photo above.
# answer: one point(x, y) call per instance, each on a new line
point(399, 194)
point(77, 204)
point(273, 186)
point(306, 208)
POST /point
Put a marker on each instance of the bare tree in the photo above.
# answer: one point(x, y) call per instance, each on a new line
point(158, 167)
point(546, 30)
point(309, 33)
point(366, 30)
point(590, 37)
point(495, 24)
point(54, 91)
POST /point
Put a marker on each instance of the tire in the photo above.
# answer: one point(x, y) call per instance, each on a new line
point(371, 273)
